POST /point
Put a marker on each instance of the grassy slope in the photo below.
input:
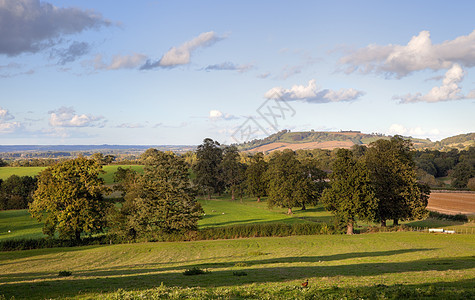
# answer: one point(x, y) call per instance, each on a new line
point(327, 261)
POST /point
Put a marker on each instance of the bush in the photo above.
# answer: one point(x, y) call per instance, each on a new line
point(64, 273)
point(195, 271)
point(441, 216)
point(239, 273)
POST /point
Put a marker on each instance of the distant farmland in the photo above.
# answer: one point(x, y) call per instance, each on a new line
point(452, 203)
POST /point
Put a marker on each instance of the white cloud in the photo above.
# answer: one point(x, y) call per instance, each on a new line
point(130, 125)
point(5, 126)
point(67, 117)
point(448, 91)
point(418, 54)
point(415, 131)
point(311, 93)
point(119, 62)
point(181, 55)
point(216, 115)
point(31, 25)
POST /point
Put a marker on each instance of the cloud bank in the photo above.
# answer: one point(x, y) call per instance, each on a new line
point(67, 117)
point(181, 55)
point(449, 90)
point(216, 115)
point(32, 26)
point(229, 66)
point(311, 93)
point(419, 54)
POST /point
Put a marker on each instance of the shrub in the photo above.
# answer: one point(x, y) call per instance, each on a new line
point(195, 271)
point(64, 273)
point(239, 273)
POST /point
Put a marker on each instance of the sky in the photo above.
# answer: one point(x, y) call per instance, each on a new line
point(176, 72)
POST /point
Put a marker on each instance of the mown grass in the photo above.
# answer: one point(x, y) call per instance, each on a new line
point(108, 176)
point(6, 172)
point(274, 266)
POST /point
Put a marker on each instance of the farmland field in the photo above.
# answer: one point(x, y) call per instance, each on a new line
point(452, 203)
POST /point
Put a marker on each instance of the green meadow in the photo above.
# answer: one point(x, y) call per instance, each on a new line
point(393, 264)
point(108, 176)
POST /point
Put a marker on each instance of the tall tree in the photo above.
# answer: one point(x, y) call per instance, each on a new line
point(162, 199)
point(232, 170)
point(393, 175)
point(16, 192)
point(70, 199)
point(289, 184)
point(351, 195)
point(255, 176)
point(208, 167)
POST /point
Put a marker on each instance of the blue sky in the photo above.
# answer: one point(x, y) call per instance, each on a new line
point(175, 72)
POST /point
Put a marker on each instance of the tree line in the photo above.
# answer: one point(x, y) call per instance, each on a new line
point(375, 183)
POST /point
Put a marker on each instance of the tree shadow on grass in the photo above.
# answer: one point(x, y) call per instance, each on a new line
point(103, 282)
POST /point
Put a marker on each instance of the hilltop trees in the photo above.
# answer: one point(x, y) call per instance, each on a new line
point(393, 177)
point(351, 194)
point(69, 199)
point(208, 167)
point(160, 200)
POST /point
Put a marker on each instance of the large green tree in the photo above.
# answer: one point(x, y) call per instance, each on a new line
point(208, 167)
point(69, 198)
point(161, 200)
point(255, 176)
point(16, 192)
point(351, 195)
point(289, 183)
point(393, 175)
point(232, 170)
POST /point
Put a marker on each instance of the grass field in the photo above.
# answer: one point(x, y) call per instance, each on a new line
point(6, 172)
point(271, 264)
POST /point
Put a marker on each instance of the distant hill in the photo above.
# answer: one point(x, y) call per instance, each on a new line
point(286, 139)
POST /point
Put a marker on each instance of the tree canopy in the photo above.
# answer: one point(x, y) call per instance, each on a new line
point(208, 167)
point(351, 195)
point(69, 198)
point(393, 176)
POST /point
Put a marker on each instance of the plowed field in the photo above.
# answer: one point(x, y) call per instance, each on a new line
point(452, 203)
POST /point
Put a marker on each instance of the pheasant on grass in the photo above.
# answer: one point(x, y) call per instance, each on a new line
point(305, 284)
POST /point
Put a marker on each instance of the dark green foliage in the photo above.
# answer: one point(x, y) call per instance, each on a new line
point(64, 273)
point(69, 199)
point(41, 243)
point(462, 173)
point(290, 182)
point(351, 195)
point(160, 201)
point(255, 176)
point(16, 192)
point(208, 167)
point(232, 170)
point(457, 217)
point(393, 177)
point(3, 163)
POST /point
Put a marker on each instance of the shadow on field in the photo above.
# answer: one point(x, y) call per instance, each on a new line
point(145, 278)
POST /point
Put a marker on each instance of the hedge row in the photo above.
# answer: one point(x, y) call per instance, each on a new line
point(227, 232)
point(458, 217)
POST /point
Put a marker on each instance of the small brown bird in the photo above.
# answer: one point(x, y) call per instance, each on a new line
point(305, 284)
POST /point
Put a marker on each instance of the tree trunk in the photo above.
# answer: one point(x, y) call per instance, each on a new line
point(303, 206)
point(396, 222)
point(77, 235)
point(383, 223)
point(349, 228)
point(209, 195)
point(233, 197)
point(289, 211)
point(258, 199)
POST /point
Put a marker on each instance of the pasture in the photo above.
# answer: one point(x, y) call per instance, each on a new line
point(433, 264)
point(108, 176)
